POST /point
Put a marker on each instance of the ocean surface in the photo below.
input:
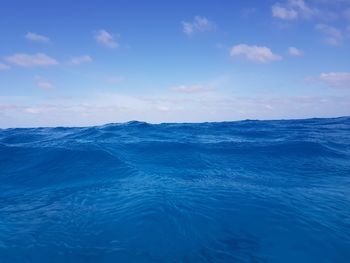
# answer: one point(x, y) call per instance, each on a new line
point(247, 191)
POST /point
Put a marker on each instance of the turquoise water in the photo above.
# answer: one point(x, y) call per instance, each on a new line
point(248, 191)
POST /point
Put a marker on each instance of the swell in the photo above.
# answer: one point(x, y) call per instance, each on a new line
point(47, 166)
point(244, 191)
point(50, 156)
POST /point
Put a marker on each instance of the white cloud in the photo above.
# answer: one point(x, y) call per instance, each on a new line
point(4, 66)
point(36, 37)
point(101, 108)
point(81, 60)
point(247, 12)
point(191, 89)
point(45, 85)
point(198, 24)
point(106, 39)
point(283, 12)
point(322, 10)
point(258, 54)
point(335, 79)
point(42, 83)
point(32, 110)
point(292, 10)
point(28, 60)
point(114, 80)
point(293, 51)
point(303, 9)
point(333, 36)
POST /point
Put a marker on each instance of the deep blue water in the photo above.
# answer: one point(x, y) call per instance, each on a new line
point(248, 191)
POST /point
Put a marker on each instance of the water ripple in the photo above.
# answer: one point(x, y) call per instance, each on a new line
point(249, 191)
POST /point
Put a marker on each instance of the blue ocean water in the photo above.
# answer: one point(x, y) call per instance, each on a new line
point(248, 191)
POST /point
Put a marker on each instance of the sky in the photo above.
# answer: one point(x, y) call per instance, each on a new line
point(83, 63)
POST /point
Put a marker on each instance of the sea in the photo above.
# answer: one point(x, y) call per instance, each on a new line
point(244, 191)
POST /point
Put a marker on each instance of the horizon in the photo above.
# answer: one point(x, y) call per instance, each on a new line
point(184, 123)
point(62, 65)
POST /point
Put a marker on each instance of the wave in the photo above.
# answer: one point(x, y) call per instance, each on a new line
point(247, 191)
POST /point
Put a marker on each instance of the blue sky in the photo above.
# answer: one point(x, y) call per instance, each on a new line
point(74, 63)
